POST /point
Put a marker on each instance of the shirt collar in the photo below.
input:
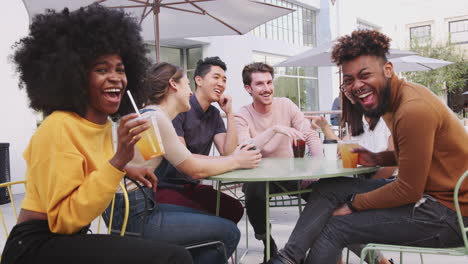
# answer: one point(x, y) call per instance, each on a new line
point(197, 107)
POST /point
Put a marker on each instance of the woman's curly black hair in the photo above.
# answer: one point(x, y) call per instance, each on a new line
point(54, 60)
point(360, 42)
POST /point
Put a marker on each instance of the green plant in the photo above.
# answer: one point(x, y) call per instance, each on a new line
point(453, 77)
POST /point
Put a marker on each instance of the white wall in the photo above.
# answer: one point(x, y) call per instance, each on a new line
point(436, 13)
point(18, 121)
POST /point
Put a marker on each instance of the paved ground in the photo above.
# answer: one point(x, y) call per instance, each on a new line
point(283, 220)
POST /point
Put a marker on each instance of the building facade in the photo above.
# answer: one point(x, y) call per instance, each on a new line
point(312, 23)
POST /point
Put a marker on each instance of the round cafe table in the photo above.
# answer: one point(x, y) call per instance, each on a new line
point(286, 169)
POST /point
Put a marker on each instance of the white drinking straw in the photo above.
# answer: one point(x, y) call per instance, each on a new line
point(133, 102)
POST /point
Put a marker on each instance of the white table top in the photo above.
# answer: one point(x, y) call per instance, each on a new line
point(285, 169)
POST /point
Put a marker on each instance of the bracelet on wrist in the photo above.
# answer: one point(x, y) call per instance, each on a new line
point(350, 203)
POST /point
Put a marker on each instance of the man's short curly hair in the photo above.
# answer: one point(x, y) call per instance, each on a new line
point(361, 42)
point(54, 60)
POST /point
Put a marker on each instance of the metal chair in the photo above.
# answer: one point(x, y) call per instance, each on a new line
point(8, 186)
point(13, 207)
point(122, 230)
point(284, 199)
point(459, 251)
point(5, 225)
point(208, 244)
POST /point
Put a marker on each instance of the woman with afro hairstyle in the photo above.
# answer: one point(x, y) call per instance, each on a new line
point(75, 67)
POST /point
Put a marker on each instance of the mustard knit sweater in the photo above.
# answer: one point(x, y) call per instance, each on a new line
point(69, 176)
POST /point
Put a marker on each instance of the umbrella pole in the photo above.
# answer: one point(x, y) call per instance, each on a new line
point(156, 9)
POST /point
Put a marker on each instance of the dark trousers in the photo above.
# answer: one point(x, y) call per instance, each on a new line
point(255, 202)
point(203, 198)
point(32, 243)
point(430, 225)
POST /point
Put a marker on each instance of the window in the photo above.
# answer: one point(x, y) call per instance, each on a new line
point(420, 35)
point(363, 25)
point(298, 27)
point(185, 58)
point(300, 84)
point(171, 55)
point(193, 55)
point(458, 31)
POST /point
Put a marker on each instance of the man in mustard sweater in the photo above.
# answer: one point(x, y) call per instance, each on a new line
point(431, 151)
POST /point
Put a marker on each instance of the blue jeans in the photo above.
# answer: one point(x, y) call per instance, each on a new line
point(177, 225)
point(429, 225)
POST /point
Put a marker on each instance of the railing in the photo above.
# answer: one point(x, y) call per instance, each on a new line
point(331, 112)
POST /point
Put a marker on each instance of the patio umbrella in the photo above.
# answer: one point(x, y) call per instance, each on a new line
point(417, 63)
point(321, 56)
point(172, 19)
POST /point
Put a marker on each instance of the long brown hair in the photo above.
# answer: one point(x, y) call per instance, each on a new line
point(156, 83)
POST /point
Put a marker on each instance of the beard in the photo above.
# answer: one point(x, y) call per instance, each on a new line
point(382, 106)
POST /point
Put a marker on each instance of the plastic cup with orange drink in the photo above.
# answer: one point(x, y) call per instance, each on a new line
point(349, 158)
point(149, 144)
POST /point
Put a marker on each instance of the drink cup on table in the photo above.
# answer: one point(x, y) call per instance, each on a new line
point(150, 142)
point(298, 146)
point(349, 158)
point(330, 149)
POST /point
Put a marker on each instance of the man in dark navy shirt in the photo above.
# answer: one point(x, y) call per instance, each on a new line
point(198, 129)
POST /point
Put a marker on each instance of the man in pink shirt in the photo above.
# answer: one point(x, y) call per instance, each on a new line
point(270, 124)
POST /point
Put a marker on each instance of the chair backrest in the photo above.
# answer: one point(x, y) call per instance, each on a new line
point(8, 223)
point(8, 187)
point(126, 213)
point(457, 208)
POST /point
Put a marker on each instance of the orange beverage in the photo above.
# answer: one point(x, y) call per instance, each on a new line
point(350, 159)
point(150, 145)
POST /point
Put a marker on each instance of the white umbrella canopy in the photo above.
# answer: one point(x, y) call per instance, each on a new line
point(321, 56)
point(417, 63)
point(172, 19)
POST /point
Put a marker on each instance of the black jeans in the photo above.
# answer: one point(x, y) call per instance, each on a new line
point(32, 243)
point(255, 202)
point(430, 225)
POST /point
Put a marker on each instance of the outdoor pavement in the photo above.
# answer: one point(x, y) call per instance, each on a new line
point(283, 220)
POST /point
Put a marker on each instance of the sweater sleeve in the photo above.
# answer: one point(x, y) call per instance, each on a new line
point(415, 128)
point(242, 126)
point(68, 171)
point(75, 199)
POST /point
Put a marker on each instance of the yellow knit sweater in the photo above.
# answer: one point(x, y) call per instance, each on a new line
point(69, 176)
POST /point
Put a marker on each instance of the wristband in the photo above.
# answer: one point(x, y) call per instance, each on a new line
point(350, 203)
